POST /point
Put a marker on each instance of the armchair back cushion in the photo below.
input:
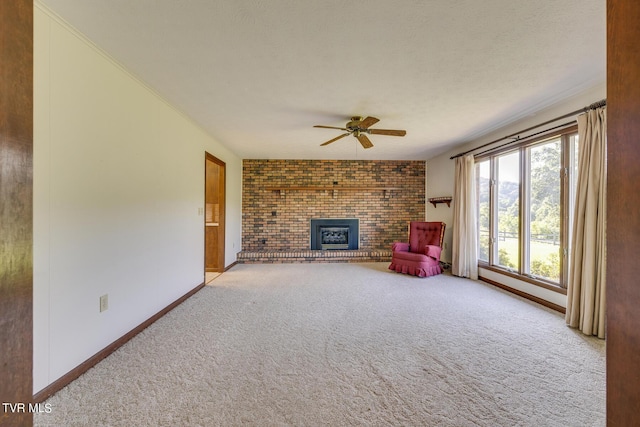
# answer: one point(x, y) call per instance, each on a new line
point(422, 234)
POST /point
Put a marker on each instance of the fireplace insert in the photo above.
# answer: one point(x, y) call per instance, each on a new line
point(334, 234)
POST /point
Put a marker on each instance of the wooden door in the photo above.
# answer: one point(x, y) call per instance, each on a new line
point(16, 209)
point(214, 214)
point(623, 204)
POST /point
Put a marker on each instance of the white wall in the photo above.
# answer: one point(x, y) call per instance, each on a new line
point(118, 188)
point(440, 174)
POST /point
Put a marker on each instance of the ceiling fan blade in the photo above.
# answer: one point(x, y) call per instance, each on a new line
point(329, 127)
point(368, 122)
point(335, 139)
point(389, 132)
point(366, 143)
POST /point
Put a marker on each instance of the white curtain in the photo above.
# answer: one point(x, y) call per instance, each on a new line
point(586, 288)
point(464, 251)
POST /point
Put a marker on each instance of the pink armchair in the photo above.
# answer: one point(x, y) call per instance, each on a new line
point(421, 256)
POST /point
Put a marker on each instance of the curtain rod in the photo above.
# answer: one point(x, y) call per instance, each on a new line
point(593, 106)
point(518, 139)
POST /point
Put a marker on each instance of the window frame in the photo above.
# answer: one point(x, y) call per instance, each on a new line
point(566, 178)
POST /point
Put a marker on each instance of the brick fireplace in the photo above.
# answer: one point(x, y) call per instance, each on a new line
point(281, 197)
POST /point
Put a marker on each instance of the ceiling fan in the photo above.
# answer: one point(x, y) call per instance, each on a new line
point(359, 127)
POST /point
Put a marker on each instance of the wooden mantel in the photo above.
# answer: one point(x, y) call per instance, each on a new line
point(334, 188)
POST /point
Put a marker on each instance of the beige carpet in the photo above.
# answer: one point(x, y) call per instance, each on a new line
point(344, 344)
point(210, 276)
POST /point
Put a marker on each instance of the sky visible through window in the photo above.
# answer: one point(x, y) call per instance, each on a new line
point(510, 172)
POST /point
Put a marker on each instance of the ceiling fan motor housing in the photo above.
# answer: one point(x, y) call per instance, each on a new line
point(354, 123)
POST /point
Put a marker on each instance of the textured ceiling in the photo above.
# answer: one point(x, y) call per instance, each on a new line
point(258, 74)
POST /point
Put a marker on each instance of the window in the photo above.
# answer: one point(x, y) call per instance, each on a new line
point(525, 206)
point(483, 190)
point(508, 210)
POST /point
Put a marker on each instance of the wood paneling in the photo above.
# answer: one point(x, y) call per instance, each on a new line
point(623, 213)
point(16, 207)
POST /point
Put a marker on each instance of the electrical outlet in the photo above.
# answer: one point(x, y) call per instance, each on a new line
point(104, 302)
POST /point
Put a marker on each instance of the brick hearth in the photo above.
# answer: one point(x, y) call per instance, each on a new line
point(261, 257)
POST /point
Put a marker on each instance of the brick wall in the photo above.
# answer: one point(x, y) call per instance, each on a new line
point(280, 221)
